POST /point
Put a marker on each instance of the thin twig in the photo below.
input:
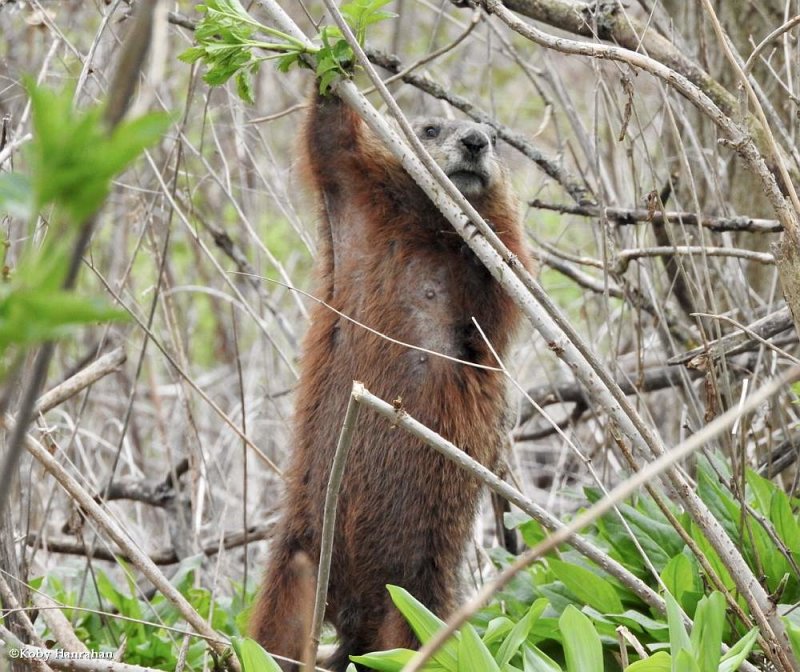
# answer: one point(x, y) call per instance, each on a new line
point(329, 517)
point(748, 338)
point(475, 19)
point(780, 30)
point(98, 369)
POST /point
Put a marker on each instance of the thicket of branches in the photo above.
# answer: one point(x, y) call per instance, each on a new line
point(653, 146)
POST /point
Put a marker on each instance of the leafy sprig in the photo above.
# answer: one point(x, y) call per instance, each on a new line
point(72, 159)
point(231, 43)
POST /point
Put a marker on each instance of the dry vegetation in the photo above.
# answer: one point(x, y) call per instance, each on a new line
point(208, 243)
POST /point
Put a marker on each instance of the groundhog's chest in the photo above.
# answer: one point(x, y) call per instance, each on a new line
point(423, 293)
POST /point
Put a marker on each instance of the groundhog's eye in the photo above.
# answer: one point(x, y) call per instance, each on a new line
point(494, 139)
point(431, 131)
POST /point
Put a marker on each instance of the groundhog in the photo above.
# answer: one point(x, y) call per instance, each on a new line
point(389, 260)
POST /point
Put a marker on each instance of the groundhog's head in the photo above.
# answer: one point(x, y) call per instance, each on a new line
point(464, 150)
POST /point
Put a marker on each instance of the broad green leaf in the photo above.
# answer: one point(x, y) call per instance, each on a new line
point(385, 661)
point(739, 651)
point(658, 662)
point(785, 521)
point(794, 637)
point(425, 623)
point(762, 490)
point(473, 656)
point(679, 640)
point(587, 586)
point(639, 622)
point(497, 628)
point(684, 662)
point(535, 660)
point(681, 576)
point(711, 556)
point(706, 637)
point(721, 503)
point(520, 632)
point(252, 656)
point(659, 540)
point(582, 647)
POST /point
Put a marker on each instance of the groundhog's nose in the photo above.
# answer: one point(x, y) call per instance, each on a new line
point(475, 142)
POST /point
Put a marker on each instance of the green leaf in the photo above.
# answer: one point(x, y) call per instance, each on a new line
point(658, 662)
point(739, 651)
point(587, 586)
point(679, 640)
point(74, 158)
point(16, 195)
point(639, 622)
point(326, 80)
point(252, 656)
point(473, 656)
point(520, 632)
point(685, 662)
point(794, 638)
point(535, 660)
point(244, 87)
point(497, 628)
point(582, 647)
point(722, 504)
point(425, 624)
point(706, 637)
point(36, 315)
point(785, 522)
point(681, 576)
point(385, 661)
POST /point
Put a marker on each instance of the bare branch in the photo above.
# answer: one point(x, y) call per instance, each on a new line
point(629, 216)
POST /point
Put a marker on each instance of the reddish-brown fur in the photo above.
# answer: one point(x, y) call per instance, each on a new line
point(390, 260)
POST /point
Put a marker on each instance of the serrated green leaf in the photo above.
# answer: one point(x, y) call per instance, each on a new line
point(326, 80)
point(582, 647)
point(244, 88)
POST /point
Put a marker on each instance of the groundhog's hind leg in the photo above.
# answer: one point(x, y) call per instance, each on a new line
point(281, 619)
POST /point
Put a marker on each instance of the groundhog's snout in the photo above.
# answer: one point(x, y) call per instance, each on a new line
point(475, 143)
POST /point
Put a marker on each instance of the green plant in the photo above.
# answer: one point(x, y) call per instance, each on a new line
point(228, 43)
point(569, 609)
point(72, 160)
point(152, 629)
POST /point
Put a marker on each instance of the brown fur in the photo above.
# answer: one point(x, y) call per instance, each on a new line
point(390, 260)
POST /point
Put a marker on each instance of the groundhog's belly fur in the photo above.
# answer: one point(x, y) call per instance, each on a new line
point(391, 262)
